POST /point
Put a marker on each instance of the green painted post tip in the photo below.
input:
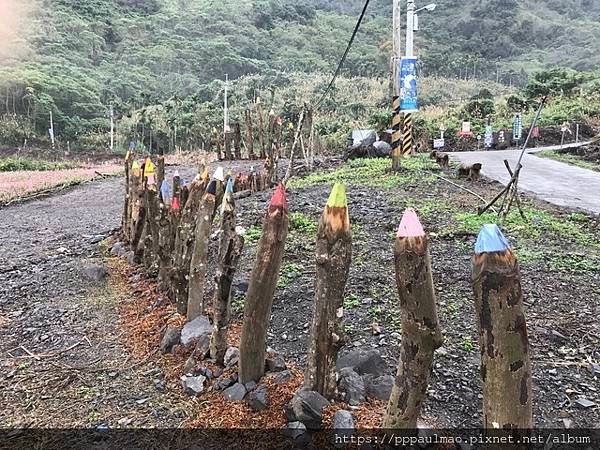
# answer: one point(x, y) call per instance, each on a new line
point(337, 198)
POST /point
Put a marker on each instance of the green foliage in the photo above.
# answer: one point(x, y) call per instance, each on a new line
point(19, 163)
point(371, 172)
point(302, 223)
point(252, 234)
point(288, 273)
point(351, 301)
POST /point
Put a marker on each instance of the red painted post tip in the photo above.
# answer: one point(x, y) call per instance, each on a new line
point(279, 199)
point(410, 226)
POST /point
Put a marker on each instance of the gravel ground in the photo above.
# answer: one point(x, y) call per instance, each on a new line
point(61, 345)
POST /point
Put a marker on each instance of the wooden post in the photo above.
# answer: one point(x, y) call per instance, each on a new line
point(333, 255)
point(160, 169)
point(290, 168)
point(249, 134)
point(227, 142)
point(199, 261)
point(125, 219)
point(230, 250)
point(503, 341)
point(271, 133)
point(420, 329)
point(184, 244)
point(261, 289)
point(261, 128)
point(237, 140)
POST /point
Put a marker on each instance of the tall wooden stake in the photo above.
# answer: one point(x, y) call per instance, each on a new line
point(237, 140)
point(249, 134)
point(195, 303)
point(420, 329)
point(230, 250)
point(503, 341)
point(126, 217)
point(261, 128)
point(261, 289)
point(333, 255)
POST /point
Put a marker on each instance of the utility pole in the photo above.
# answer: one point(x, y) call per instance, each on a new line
point(226, 142)
point(396, 119)
point(407, 137)
point(112, 129)
point(51, 130)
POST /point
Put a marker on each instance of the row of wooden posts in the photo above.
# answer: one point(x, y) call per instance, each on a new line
point(170, 231)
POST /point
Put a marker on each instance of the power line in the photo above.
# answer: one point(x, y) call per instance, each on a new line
point(341, 63)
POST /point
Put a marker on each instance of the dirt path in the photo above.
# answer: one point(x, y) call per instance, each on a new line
point(556, 182)
point(81, 374)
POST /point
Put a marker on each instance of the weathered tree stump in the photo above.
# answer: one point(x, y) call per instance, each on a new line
point(261, 289)
point(249, 134)
point(420, 329)
point(504, 345)
point(237, 141)
point(230, 250)
point(333, 255)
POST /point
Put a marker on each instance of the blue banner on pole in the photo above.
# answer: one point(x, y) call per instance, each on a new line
point(408, 84)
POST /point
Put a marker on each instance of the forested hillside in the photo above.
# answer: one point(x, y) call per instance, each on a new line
point(75, 57)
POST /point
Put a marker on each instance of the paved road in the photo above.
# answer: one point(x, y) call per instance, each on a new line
point(556, 182)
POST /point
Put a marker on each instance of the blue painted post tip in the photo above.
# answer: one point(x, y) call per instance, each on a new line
point(229, 187)
point(491, 239)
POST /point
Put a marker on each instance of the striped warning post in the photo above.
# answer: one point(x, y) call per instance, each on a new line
point(407, 138)
point(396, 133)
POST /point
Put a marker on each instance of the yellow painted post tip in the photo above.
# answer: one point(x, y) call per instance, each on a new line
point(338, 198)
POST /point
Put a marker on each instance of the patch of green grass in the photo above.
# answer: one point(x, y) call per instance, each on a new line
point(375, 313)
point(19, 163)
point(252, 234)
point(568, 158)
point(430, 207)
point(237, 304)
point(467, 344)
point(302, 223)
point(288, 273)
point(537, 225)
point(351, 301)
point(575, 263)
point(372, 172)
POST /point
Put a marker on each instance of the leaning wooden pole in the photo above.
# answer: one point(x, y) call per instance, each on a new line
point(333, 255)
point(230, 250)
point(199, 261)
point(504, 345)
point(421, 333)
point(261, 289)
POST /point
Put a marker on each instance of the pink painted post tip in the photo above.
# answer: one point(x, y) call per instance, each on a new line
point(410, 226)
point(279, 198)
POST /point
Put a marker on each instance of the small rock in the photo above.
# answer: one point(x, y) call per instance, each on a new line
point(235, 393)
point(223, 383)
point(289, 413)
point(594, 369)
point(232, 356)
point(343, 424)
point(116, 249)
point(294, 429)
point(363, 361)
point(193, 385)
point(124, 421)
point(96, 238)
point(159, 385)
point(250, 385)
point(584, 402)
point(193, 330)
point(170, 339)
point(283, 376)
point(257, 399)
point(379, 387)
point(308, 408)
point(275, 363)
point(375, 329)
point(95, 273)
point(351, 386)
point(202, 347)
point(568, 423)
